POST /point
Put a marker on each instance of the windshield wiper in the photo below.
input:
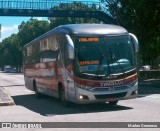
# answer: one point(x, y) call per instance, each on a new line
point(92, 74)
point(100, 62)
point(119, 64)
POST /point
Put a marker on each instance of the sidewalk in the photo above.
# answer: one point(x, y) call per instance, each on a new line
point(5, 98)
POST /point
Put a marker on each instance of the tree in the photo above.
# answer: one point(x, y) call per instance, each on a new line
point(76, 6)
point(32, 29)
point(140, 17)
point(11, 47)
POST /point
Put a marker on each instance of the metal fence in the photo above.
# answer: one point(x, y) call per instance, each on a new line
point(52, 4)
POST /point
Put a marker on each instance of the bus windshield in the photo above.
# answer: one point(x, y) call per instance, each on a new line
point(102, 56)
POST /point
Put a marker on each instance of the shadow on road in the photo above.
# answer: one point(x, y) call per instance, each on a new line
point(49, 106)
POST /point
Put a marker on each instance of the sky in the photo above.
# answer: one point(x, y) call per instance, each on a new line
point(9, 25)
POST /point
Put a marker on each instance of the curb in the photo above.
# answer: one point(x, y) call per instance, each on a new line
point(9, 103)
point(5, 98)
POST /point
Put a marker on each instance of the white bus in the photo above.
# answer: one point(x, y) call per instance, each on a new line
point(7, 68)
point(83, 63)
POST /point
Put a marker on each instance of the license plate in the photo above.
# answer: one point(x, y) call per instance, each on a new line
point(111, 99)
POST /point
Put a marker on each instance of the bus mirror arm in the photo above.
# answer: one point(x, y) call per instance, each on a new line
point(70, 47)
point(135, 41)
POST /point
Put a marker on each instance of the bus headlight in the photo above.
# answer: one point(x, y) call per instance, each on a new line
point(83, 97)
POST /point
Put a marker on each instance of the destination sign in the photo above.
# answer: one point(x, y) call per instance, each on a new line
point(92, 39)
point(88, 62)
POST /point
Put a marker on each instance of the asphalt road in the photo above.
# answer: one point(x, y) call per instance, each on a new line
point(28, 108)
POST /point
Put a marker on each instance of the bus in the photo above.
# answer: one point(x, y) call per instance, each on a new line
point(83, 63)
point(7, 68)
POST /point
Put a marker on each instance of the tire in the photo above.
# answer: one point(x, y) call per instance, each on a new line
point(113, 103)
point(37, 94)
point(62, 97)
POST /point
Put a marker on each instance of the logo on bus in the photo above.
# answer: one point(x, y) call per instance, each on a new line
point(112, 83)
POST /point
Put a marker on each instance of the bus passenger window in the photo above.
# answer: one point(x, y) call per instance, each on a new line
point(48, 55)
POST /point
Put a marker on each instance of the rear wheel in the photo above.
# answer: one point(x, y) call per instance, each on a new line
point(62, 97)
point(113, 103)
point(37, 94)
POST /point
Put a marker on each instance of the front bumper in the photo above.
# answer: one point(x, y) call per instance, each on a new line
point(85, 96)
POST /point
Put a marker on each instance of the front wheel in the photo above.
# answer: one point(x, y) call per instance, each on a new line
point(113, 103)
point(63, 100)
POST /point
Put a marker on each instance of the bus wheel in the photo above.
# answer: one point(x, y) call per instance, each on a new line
point(38, 95)
point(113, 103)
point(63, 100)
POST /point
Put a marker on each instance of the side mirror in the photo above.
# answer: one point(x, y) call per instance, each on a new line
point(135, 41)
point(70, 47)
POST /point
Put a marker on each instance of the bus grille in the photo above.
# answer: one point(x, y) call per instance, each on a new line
point(116, 95)
point(109, 88)
point(120, 88)
point(101, 89)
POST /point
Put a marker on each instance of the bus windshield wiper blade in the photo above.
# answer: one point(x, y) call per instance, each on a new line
point(100, 62)
point(119, 64)
point(92, 74)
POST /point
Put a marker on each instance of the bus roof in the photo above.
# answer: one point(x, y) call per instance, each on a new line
point(85, 29)
point(93, 29)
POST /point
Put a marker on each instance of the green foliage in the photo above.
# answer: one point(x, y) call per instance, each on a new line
point(11, 47)
point(141, 17)
point(8, 52)
point(31, 30)
point(76, 6)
